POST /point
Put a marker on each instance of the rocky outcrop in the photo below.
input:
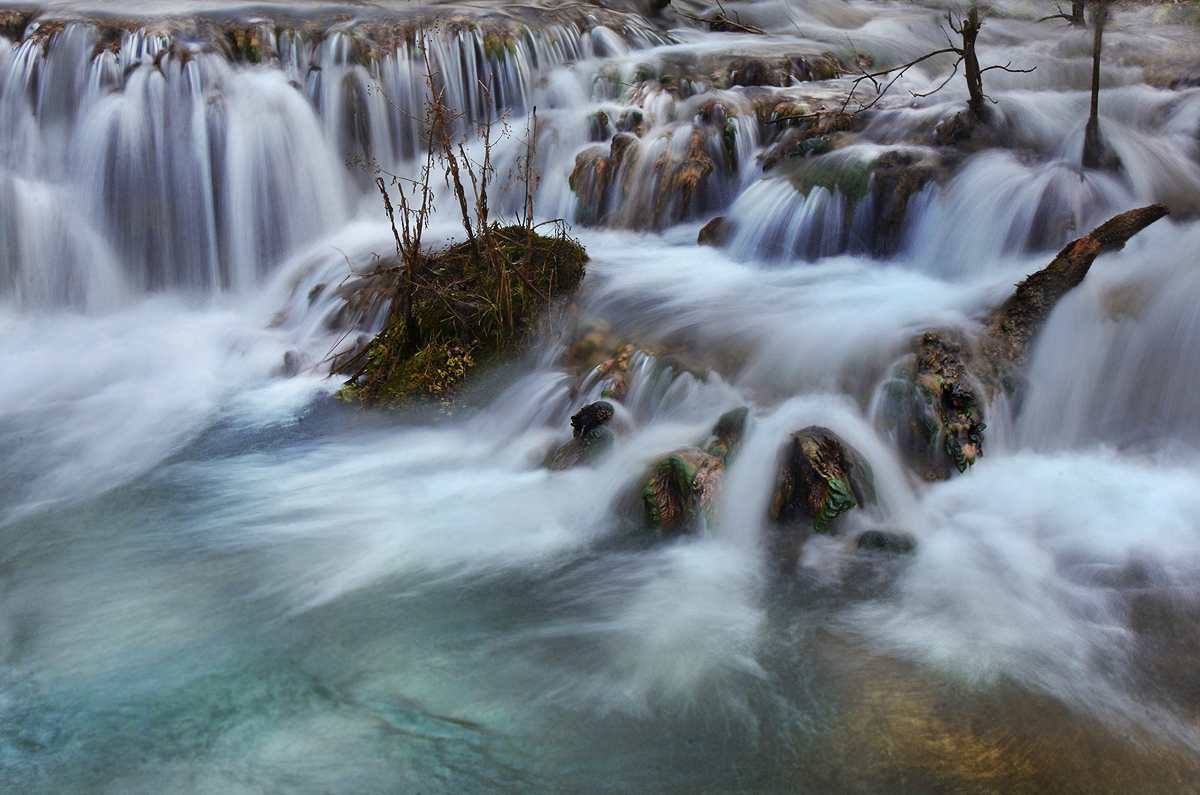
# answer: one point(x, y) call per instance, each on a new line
point(934, 408)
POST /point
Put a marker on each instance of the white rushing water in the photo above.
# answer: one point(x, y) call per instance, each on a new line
point(217, 578)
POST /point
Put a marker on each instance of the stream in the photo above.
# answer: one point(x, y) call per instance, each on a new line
point(217, 577)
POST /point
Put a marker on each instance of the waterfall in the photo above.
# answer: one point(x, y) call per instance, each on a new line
point(219, 574)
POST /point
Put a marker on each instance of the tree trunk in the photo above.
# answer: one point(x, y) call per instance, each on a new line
point(976, 105)
point(1094, 150)
point(1077, 12)
point(1014, 327)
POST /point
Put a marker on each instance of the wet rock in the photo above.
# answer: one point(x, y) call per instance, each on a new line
point(934, 409)
point(727, 433)
point(632, 121)
point(585, 450)
point(714, 233)
point(678, 179)
point(615, 371)
point(887, 541)
point(850, 176)
point(681, 487)
point(897, 176)
point(594, 174)
point(591, 416)
point(590, 440)
point(807, 133)
point(752, 72)
point(934, 405)
point(956, 130)
point(293, 363)
point(13, 22)
point(819, 478)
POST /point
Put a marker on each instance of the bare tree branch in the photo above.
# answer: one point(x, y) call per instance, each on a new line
point(899, 70)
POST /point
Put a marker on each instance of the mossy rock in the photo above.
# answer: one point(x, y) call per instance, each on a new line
point(819, 478)
point(587, 449)
point(680, 489)
point(590, 440)
point(849, 175)
point(935, 408)
point(727, 434)
point(462, 310)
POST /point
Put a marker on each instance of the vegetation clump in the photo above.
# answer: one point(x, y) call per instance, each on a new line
point(452, 311)
point(456, 320)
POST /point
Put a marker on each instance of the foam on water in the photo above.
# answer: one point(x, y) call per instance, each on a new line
point(217, 579)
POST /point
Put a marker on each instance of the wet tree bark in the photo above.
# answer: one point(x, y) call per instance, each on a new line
point(970, 31)
point(1095, 154)
point(1014, 327)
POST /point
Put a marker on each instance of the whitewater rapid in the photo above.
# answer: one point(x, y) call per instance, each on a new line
point(216, 577)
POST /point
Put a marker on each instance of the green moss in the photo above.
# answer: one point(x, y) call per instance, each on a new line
point(673, 486)
point(851, 177)
point(730, 137)
point(838, 499)
point(461, 307)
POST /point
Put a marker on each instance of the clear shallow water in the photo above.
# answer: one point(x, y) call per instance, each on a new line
point(215, 578)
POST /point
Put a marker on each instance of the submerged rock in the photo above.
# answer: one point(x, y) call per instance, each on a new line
point(819, 479)
point(887, 541)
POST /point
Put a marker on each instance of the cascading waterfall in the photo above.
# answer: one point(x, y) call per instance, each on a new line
point(217, 577)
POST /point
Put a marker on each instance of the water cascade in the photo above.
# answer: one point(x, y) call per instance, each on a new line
point(854, 528)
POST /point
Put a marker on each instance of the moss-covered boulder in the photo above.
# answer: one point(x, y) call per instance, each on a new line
point(819, 478)
point(681, 487)
point(727, 434)
point(464, 307)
